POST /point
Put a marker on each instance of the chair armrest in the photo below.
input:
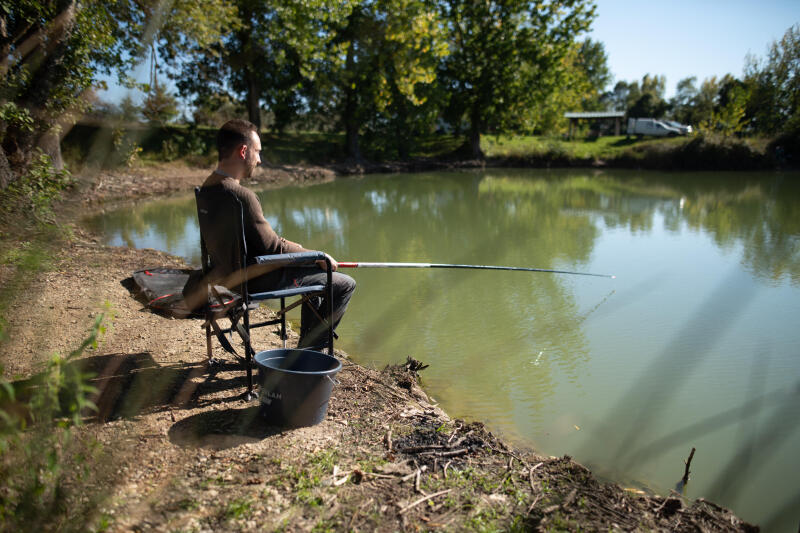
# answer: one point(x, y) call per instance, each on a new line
point(285, 293)
point(293, 259)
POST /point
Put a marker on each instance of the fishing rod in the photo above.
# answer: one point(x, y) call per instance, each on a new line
point(473, 267)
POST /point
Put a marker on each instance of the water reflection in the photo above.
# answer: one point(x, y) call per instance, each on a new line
point(626, 376)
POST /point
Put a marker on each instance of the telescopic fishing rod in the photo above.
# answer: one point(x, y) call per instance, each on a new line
point(473, 267)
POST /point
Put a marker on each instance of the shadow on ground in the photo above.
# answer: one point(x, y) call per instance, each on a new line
point(127, 385)
point(222, 429)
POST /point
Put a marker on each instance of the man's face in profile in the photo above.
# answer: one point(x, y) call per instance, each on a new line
point(253, 157)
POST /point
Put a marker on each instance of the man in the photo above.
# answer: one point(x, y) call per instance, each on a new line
point(239, 149)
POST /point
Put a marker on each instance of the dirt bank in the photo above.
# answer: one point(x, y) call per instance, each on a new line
point(180, 449)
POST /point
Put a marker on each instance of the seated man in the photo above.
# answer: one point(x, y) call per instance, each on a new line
point(239, 153)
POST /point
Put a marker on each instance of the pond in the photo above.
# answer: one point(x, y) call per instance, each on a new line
point(696, 343)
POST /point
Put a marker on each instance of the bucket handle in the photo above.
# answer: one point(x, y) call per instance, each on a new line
point(334, 380)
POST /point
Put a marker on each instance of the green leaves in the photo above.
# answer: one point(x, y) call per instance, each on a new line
point(507, 58)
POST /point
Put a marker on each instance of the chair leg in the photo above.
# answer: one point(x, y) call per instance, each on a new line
point(283, 322)
point(209, 354)
point(248, 349)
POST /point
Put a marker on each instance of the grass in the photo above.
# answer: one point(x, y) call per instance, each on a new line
point(195, 147)
point(238, 508)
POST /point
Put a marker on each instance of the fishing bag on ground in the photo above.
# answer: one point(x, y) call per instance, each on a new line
point(165, 291)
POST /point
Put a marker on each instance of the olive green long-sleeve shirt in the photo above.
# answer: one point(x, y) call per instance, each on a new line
point(261, 238)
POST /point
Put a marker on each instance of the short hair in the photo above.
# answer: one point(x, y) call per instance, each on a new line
point(233, 134)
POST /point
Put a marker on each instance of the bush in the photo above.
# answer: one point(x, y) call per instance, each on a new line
point(33, 193)
point(785, 148)
point(43, 465)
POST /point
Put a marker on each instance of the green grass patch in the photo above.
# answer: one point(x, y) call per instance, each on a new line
point(238, 508)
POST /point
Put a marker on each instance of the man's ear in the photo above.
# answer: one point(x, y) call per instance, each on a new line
point(243, 151)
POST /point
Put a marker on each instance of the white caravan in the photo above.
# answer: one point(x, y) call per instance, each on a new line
point(651, 126)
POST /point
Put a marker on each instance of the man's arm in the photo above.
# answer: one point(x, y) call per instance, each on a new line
point(271, 242)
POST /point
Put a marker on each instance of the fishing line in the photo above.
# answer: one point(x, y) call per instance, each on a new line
point(346, 264)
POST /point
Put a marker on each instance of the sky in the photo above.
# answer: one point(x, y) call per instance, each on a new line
point(681, 38)
point(674, 38)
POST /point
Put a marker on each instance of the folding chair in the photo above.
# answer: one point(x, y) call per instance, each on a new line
point(224, 253)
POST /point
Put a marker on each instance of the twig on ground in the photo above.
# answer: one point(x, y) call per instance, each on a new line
point(530, 475)
point(418, 449)
point(445, 468)
point(458, 443)
point(383, 476)
point(414, 473)
point(421, 500)
point(453, 434)
point(387, 439)
point(533, 503)
point(688, 462)
point(449, 453)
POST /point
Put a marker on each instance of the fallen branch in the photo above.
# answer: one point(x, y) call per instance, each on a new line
point(449, 453)
point(418, 449)
point(383, 476)
point(458, 443)
point(414, 473)
point(530, 476)
point(455, 431)
point(688, 462)
point(422, 500)
point(533, 503)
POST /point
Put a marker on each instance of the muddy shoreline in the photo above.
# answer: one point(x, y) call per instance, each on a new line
point(180, 449)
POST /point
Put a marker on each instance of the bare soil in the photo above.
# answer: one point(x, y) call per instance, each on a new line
point(183, 451)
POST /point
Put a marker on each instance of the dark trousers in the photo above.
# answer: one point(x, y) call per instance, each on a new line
point(313, 332)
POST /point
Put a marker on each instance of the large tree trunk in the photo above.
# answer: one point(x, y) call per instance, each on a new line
point(351, 138)
point(50, 144)
point(253, 109)
point(474, 144)
point(46, 49)
point(474, 138)
point(248, 57)
point(6, 176)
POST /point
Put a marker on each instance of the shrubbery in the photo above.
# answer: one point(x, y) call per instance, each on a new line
point(43, 465)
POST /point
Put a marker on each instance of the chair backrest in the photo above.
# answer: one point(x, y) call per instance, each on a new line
point(222, 242)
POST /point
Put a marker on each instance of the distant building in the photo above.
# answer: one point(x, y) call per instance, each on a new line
point(616, 116)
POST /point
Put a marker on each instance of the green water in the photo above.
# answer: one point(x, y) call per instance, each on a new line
point(695, 344)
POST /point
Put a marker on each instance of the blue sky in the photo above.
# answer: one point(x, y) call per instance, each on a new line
point(680, 38)
point(676, 38)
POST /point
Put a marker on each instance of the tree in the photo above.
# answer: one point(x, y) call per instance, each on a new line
point(623, 95)
point(47, 49)
point(51, 52)
point(682, 104)
point(706, 100)
point(650, 102)
point(592, 63)
point(390, 51)
point(506, 58)
point(268, 62)
point(774, 84)
point(159, 107)
point(729, 115)
point(129, 111)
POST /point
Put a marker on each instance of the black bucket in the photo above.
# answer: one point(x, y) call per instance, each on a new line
point(295, 386)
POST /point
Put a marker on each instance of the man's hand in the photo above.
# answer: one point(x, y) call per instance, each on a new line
point(324, 266)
